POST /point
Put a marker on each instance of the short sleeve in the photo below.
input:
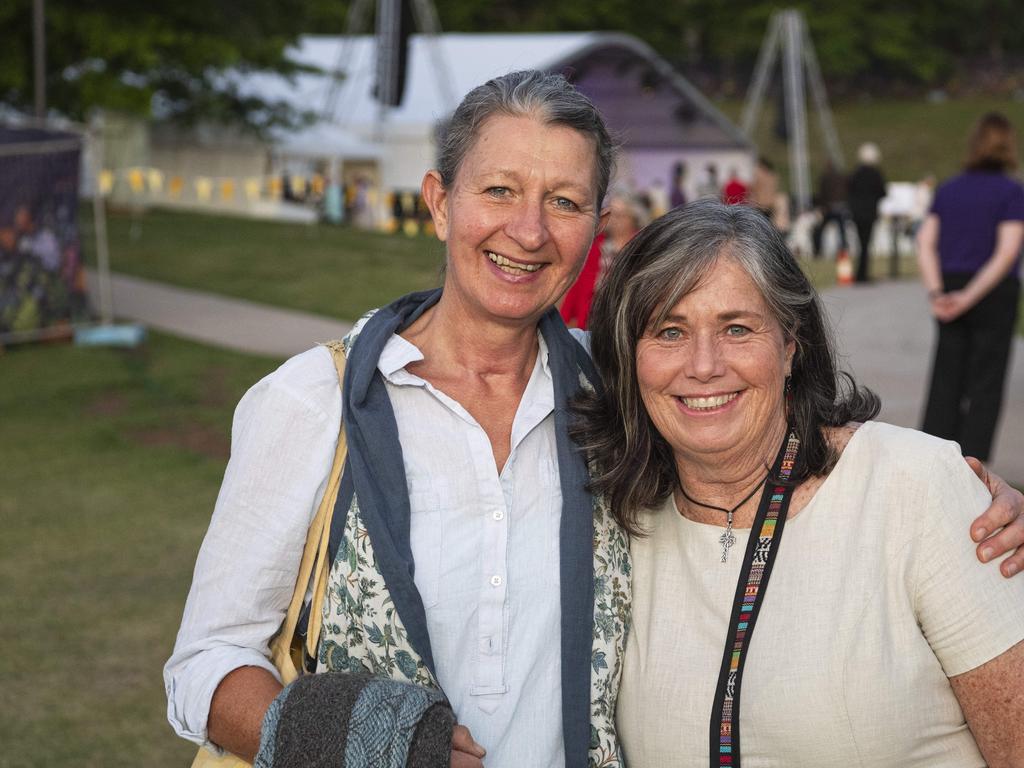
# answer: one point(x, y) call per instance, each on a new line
point(968, 611)
point(939, 200)
point(1013, 207)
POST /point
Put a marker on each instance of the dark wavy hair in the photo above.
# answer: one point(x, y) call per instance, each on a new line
point(635, 466)
point(992, 145)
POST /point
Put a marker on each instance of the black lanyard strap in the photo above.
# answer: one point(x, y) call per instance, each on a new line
point(750, 589)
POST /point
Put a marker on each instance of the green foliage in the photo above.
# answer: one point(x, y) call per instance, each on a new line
point(168, 56)
point(917, 41)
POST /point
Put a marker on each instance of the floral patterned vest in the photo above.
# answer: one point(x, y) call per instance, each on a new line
point(362, 630)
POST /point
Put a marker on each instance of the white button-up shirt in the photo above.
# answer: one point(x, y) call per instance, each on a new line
point(485, 547)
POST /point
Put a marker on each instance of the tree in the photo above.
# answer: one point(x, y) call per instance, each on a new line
point(169, 57)
point(165, 58)
point(915, 41)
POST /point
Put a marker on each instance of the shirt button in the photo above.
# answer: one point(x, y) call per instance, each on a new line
point(498, 514)
point(495, 581)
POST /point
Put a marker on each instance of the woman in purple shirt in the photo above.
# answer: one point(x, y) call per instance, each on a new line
point(968, 251)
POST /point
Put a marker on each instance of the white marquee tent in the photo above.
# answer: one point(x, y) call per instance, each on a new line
point(657, 114)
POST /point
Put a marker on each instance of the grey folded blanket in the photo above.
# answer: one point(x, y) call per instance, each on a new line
point(344, 720)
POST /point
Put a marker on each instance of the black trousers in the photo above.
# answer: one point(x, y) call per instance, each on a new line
point(864, 229)
point(837, 215)
point(969, 368)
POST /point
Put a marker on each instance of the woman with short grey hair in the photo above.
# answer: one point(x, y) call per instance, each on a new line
point(476, 579)
point(550, 98)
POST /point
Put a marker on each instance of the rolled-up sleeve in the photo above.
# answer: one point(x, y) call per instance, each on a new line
point(283, 439)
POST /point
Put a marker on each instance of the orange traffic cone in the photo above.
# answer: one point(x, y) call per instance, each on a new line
point(844, 268)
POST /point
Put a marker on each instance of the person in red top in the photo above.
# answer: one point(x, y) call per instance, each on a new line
point(576, 305)
point(627, 217)
point(735, 191)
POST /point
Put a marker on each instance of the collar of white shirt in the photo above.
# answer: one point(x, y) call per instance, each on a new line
point(399, 352)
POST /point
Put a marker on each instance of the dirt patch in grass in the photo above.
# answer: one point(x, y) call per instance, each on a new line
point(206, 441)
point(216, 391)
point(108, 404)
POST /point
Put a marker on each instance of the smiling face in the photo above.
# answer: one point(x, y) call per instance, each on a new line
point(711, 374)
point(518, 218)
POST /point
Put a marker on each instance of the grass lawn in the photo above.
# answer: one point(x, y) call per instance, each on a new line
point(916, 137)
point(334, 271)
point(111, 464)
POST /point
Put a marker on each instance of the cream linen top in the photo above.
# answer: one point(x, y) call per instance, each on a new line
point(875, 599)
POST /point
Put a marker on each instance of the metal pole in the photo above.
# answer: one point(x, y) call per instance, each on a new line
point(99, 213)
point(388, 12)
point(796, 113)
point(765, 62)
point(39, 56)
point(355, 23)
point(430, 26)
point(817, 85)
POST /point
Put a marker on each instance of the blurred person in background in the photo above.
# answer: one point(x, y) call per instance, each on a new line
point(627, 215)
point(764, 188)
point(968, 252)
point(865, 188)
point(831, 203)
point(710, 186)
point(656, 199)
point(735, 191)
point(677, 185)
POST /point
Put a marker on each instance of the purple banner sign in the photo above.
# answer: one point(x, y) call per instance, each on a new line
point(41, 279)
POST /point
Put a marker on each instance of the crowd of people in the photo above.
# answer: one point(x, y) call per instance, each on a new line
point(553, 547)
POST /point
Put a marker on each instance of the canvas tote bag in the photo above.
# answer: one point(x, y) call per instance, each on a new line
point(287, 648)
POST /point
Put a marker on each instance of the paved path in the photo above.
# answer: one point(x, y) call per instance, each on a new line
point(885, 334)
point(883, 331)
point(233, 323)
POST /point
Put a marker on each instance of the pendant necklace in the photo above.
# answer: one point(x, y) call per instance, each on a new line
point(728, 538)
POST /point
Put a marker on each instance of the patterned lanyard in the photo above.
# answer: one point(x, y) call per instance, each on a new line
point(753, 582)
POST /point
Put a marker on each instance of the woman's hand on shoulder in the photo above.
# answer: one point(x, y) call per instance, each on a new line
point(1000, 528)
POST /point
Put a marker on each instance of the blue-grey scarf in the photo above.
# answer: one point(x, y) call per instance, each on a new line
point(375, 472)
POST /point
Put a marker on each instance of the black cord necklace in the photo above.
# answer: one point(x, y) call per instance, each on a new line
point(728, 538)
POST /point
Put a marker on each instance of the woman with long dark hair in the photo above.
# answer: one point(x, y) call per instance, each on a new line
point(789, 553)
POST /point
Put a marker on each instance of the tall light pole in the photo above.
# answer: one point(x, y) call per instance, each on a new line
point(788, 31)
point(39, 56)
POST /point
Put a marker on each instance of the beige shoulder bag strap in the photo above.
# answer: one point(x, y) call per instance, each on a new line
point(286, 650)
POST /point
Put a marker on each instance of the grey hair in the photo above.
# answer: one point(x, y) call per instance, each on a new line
point(550, 97)
point(664, 262)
